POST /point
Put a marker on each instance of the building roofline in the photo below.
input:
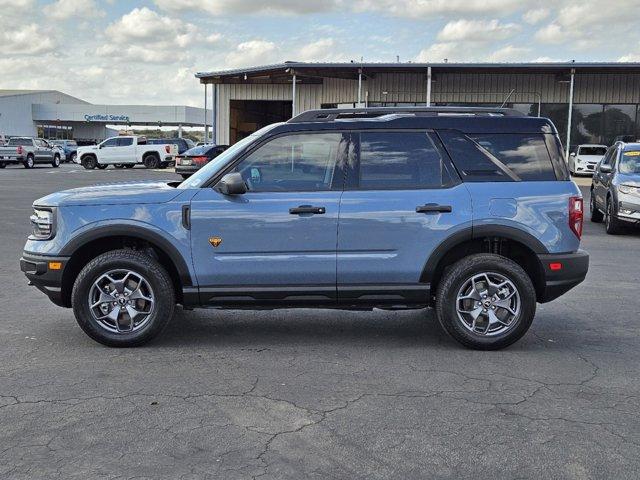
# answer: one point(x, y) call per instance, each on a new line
point(302, 67)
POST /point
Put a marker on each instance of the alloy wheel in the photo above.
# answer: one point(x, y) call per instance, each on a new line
point(121, 301)
point(488, 304)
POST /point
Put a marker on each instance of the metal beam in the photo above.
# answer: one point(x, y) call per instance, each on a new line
point(360, 88)
point(567, 146)
point(206, 130)
point(294, 104)
point(428, 86)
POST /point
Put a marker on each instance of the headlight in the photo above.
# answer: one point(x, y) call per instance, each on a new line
point(43, 223)
point(629, 189)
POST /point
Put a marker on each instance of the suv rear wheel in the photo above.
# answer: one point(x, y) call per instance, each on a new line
point(29, 162)
point(151, 161)
point(89, 162)
point(123, 298)
point(486, 302)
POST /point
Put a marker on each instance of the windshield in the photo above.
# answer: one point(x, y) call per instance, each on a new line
point(206, 172)
point(630, 163)
point(201, 150)
point(595, 151)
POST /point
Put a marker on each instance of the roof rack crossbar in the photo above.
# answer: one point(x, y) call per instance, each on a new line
point(332, 114)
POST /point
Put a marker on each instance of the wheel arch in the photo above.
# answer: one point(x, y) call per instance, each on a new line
point(89, 245)
point(512, 243)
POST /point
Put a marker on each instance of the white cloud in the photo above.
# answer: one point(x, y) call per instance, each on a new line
point(508, 53)
point(253, 52)
point(65, 9)
point(27, 39)
point(144, 35)
point(323, 50)
point(435, 8)
point(476, 30)
point(438, 52)
point(535, 16)
point(230, 7)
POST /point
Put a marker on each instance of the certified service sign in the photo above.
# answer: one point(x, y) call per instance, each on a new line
point(106, 118)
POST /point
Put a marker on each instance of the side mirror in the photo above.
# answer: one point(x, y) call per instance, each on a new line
point(232, 184)
point(572, 154)
point(605, 169)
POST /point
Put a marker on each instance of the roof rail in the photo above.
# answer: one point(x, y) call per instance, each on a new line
point(332, 114)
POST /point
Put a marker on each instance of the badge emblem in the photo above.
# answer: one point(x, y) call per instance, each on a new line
point(215, 241)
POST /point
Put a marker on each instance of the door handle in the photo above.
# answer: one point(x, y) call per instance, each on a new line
point(433, 208)
point(306, 209)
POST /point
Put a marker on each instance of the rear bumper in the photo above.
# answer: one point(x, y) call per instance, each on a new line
point(36, 269)
point(573, 270)
point(186, 169)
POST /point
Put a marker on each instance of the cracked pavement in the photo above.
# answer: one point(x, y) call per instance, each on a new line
point(317, 393)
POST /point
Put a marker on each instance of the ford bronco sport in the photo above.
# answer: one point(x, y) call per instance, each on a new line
point(470, 211)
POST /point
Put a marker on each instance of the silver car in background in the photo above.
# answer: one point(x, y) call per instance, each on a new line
point(615, 188)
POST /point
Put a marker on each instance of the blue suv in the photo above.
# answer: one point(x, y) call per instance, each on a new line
point(470, 211)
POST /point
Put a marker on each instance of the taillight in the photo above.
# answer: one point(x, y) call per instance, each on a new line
point(200, 160)
point(167, 148)
point(19, 150)
point(576, 215)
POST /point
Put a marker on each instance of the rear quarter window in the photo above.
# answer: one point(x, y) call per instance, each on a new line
point(500, 157)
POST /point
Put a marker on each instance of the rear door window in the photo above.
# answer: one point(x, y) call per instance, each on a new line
point(400, 161)
point(125, 142)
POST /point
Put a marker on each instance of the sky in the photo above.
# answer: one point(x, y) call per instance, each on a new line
point(147, 52)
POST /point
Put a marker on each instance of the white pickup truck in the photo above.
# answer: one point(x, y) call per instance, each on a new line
point(126, 151)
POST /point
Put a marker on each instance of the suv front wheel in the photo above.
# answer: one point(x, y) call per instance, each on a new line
point(123, 298)
point(486, 302)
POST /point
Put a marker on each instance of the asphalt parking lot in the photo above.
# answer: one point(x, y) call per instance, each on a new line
point(321, 394)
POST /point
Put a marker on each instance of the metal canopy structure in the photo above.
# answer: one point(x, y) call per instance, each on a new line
point(310, 72)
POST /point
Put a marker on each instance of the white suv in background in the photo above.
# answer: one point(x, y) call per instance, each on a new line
point(585, 158)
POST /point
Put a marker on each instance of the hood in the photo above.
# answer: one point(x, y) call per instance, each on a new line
point(113, 194)
point(625, 179)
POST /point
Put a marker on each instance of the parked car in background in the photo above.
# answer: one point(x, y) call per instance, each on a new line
point(126, 151)
point(69, 148)
point(197, 157)
point(183, 144)
point(470, 211)
point(584, 158)
point(615, 188)
point(29, 151)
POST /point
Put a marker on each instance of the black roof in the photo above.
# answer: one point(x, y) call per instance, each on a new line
point(464, 119)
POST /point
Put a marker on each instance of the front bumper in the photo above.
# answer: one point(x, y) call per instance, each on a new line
point(557, 281)
point(47, 280)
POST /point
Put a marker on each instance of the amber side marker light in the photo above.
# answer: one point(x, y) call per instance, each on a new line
point(55, 265)
point(555, 266)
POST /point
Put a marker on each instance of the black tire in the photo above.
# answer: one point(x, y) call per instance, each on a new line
point(2, 164)
point(596, 215)
point(56, 161)
point(118, 165)
point(89, 162)
point(457, 275)
point(73, 157)
point(185, 175)
point(101, 166)
point(129, 165)
point(154, 273)
point(612, 225)
point(151, 161)
point(29, 161)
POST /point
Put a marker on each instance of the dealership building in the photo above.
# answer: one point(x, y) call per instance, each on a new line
point(53, 114)
point(595, 102)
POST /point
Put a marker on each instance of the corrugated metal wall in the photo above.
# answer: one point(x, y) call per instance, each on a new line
point(446, 88)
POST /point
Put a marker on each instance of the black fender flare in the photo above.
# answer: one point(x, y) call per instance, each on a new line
point(475, 232)
point(150, 236)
